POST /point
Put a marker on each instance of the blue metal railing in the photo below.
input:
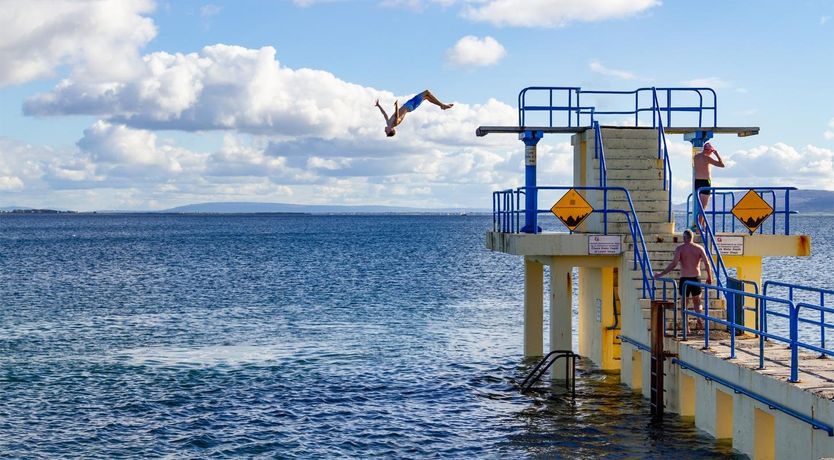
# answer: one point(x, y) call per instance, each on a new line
point(663, 153)
point(711, 246)
point(792, 340)
point(507, 210)
point(599, 154)
point(637, 344)
point(569, 102)
point(504, 213)
point(769, 194)
point(808, 291)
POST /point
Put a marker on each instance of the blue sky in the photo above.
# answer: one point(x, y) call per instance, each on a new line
point(138, 104)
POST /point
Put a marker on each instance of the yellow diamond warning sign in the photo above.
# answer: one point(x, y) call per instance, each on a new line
point(572, 209)
point(752, 210)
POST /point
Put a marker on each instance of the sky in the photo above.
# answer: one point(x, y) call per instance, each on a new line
point(147, 105)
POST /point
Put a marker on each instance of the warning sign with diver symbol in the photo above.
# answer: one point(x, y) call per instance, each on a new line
point(572, 209)
point(752, 210)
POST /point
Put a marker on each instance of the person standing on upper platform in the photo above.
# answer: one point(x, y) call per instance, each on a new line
point(702, 162)
point(410, 106)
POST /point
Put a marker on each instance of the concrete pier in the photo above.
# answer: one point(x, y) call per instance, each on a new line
point(613, 304)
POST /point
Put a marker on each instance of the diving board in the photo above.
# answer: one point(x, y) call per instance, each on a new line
point(739, 131)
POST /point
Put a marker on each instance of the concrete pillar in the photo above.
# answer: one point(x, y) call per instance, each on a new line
point(561, 293)
point(533, 308)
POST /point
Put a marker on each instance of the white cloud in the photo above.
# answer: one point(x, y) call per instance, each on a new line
point(829, 133)
point(473, 51)
point(708, 82)
point(598, 67)
point(553, 13)
point(808, 167)
point(234, 88)
point(125, 151)
point(824, 20)
point(99, 39)
point(10, 183)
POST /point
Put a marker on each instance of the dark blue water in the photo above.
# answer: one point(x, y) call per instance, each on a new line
point(277, 336)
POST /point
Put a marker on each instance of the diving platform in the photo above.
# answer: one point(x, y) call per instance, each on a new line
point(482, 131)
point(757, 373)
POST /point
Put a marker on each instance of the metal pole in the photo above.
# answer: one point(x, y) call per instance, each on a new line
point(530, 139)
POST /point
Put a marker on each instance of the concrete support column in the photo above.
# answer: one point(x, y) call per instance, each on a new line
point(561, 296)
point(533, 308)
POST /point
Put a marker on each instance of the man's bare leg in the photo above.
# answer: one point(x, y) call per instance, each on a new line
point(696, 305)
point(704, 202)
point(427, 95)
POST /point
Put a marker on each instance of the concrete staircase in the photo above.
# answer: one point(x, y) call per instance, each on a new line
point(632, 163)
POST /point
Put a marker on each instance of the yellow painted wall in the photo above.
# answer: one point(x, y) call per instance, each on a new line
point(723, 415)
point(636, 370)
point(596, 314)
point(765, 435)
point(686, 395)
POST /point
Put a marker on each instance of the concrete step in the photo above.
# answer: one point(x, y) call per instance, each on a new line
point(656, 206)
point(657, 264)
point(632, 154)
point(717, 304)
point(647, 227)
point(633, 185)
point(628, 132)
point(630, 175)
point(629, 163)
point(614, 143)
point(666, 237)
point(655, 252)
point(644, 217)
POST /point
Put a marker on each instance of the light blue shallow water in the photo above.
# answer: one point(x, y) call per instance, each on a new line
point(310, 336)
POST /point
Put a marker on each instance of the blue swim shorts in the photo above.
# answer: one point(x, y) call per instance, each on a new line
point(412, 104)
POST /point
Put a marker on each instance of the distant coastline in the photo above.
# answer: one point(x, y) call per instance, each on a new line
point(806, 202)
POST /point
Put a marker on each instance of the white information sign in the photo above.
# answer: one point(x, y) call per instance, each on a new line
point(604, 245)
point(730, 245)
point(530, 155)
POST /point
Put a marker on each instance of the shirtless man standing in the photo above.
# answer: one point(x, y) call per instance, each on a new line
point(702, 162)
point(689, 255)
point(411, 105)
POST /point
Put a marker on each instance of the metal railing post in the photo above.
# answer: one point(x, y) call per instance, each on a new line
point(794, 338)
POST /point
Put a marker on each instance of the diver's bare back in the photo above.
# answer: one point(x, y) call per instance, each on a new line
point(690, 259)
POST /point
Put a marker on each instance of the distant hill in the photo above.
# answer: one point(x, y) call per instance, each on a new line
point(803, 201)
point(248, 207)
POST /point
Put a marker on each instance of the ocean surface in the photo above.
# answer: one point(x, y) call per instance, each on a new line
point(297, 336)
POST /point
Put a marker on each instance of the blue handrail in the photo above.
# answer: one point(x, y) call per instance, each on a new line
point(764, 192)
point(571, 104)
point(599, 154)
point(507, 213)
point(637, 344)
point(792, 289)
point(664, 154)
point(710, 244)
point(793, 340)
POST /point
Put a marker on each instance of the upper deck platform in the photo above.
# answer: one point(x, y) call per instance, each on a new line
point(739, 131)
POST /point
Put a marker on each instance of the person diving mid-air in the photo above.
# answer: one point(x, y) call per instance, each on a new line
point(411, 105)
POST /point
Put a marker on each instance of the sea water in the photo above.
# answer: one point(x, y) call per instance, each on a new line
point(297, 336)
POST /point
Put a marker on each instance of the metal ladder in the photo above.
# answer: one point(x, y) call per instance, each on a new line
point(544, 365)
